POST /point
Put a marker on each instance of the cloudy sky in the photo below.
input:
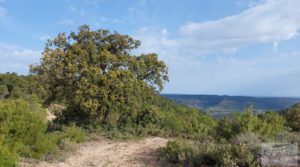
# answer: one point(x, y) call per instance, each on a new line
point(233, 47)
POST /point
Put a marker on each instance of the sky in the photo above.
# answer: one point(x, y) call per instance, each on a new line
point(223, 47)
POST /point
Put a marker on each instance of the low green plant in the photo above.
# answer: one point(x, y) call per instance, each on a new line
point(267, 125)
point(178, 151)
point(73, 134)
point(24, 131)
point(7, 157)
point(292, 116)
point(208, 153)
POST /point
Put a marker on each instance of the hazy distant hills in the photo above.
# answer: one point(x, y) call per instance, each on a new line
point(214, 103)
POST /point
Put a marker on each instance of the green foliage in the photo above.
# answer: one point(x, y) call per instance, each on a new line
point(177, 151)
point(23, 131)
point(149, 116)
point(267, 124)
point(16, 92)
point(3, 91)
point(97, 77)
point(17, 86)
point(73, 134)
point(188, 123)
point(7, 158)
point(236, 141)
point(292, 116)
point(271, 124)
point(251, 140)
point(236, 155)
point(288, 137)
point(178, 120)
point(208, 153)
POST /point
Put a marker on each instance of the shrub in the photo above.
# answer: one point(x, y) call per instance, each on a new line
point(288, 137)
point(178, 151)
point(127, 120)
point(73, 134)
point(3, 91)
point(149, 116)
point(7, 157)
point(292, 116)
point(208, 153)
point(17, 85)
point(251, 140)
point(23, 131)
point(225, 129)
point(266, 125)
point(236, 155)
point(187, 122)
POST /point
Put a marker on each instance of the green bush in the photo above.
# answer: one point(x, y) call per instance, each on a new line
point(17, 85)
point(251, 140)
point(23, 131)
point(292, 116)
point(208, 153)
point(73, 134)
point(266, 125)
point(182, 121)
point(3, 91)
point(7, 157)
point(149, 116)
point(236, 155)
point(178, 151)
point(288, 137)
point(17, 93)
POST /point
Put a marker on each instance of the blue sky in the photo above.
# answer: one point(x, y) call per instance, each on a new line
point(233, 47)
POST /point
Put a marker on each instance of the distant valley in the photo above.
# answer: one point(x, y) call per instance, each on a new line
point(215, 104)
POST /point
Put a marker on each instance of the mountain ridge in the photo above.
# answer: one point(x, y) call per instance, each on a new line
point(226, 103)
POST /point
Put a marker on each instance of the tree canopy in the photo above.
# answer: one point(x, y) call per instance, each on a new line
point(96, 74)
point(292, 116)
point(13, 85)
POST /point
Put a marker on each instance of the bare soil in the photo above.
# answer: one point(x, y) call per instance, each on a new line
point(107, 153)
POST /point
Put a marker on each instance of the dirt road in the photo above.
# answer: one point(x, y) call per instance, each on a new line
point(106, 153)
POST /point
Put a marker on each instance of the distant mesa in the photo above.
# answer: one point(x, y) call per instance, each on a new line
point(216, 104)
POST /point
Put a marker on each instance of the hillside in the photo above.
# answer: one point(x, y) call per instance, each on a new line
point(215, 103)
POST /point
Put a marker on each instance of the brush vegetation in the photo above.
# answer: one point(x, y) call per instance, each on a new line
point(106, 89)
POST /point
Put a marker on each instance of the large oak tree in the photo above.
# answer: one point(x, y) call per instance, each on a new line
point(96, 74)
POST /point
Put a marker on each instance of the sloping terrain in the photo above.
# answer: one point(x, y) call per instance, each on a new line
point(112, 154)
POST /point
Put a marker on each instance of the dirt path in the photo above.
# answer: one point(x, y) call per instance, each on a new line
point(112, 154)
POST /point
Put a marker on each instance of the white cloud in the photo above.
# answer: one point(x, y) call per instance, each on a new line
point(73, 8)
point(234, 74)
point(249, 3)
point(15, 59)
point(269, 22)
point(2, 12)
point(193, 70)
point(93, 2)
point(44, 37)
point(67, 22)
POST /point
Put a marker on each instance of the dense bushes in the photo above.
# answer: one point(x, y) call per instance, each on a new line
point(23, 132)
point(267, 124)
point(161, 117)
point(292, 116)
point(210, 153)
point(106, 88)
point(236, 141)
point(23, 129)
